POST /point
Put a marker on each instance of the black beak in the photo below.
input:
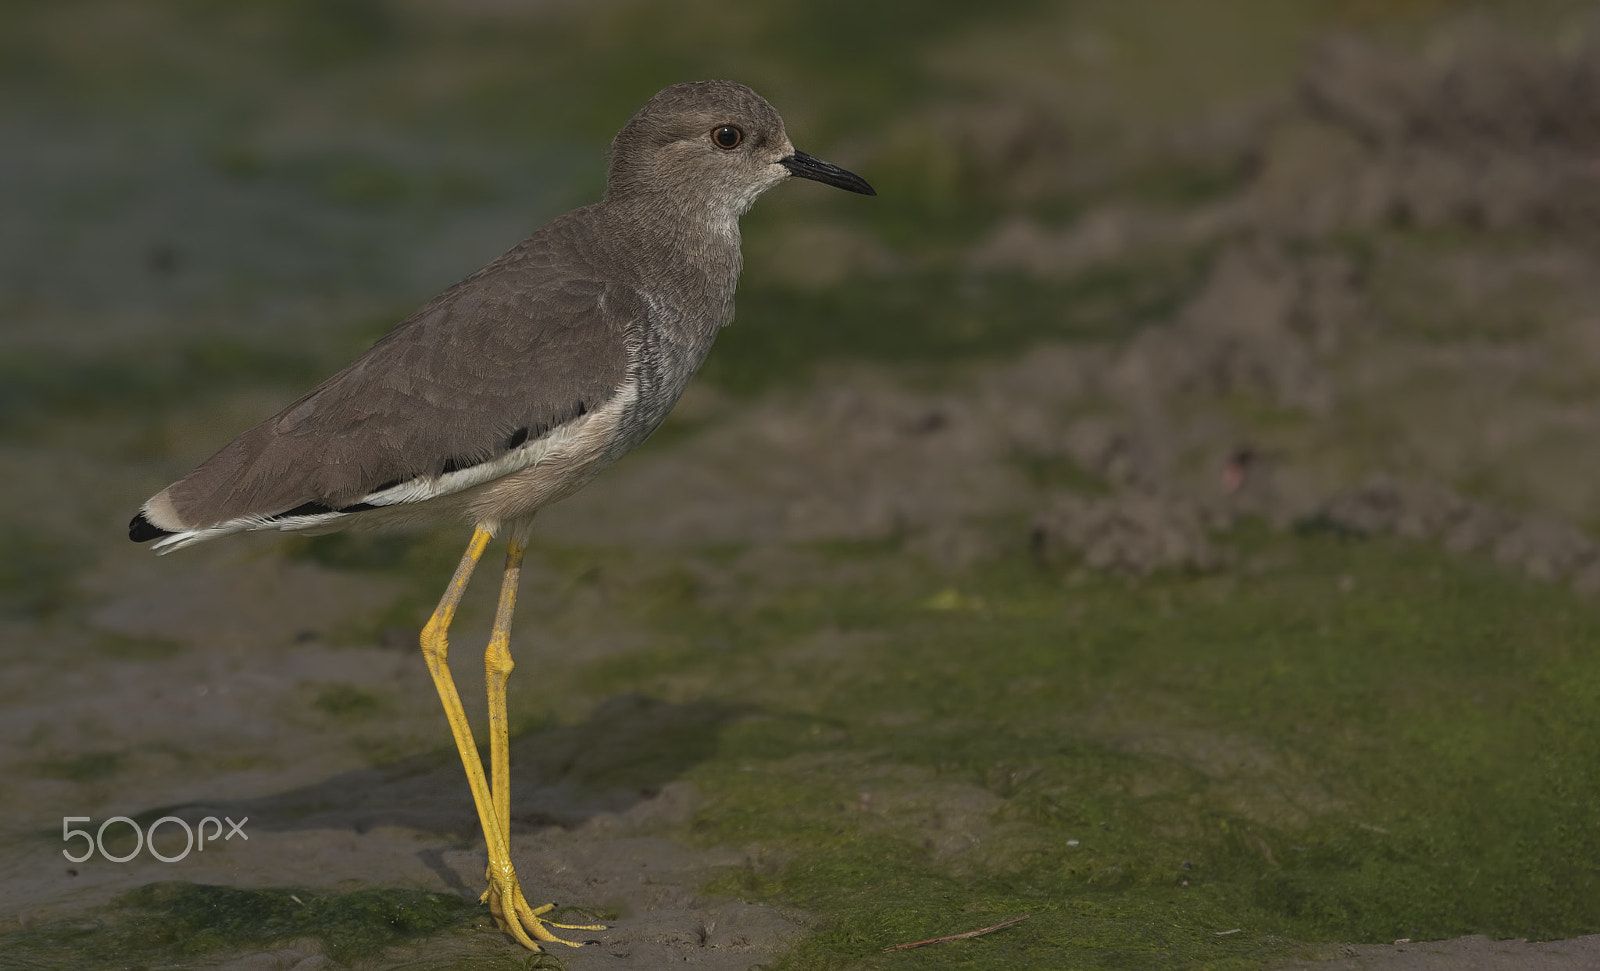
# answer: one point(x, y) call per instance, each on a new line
point(815, 169)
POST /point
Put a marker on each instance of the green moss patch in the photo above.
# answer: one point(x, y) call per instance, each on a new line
point(163, 923)
point(1351, 740)
point(939, 318)
point(346, 702)
point(88, 767)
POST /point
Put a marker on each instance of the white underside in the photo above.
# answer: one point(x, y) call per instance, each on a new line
point(569, 451)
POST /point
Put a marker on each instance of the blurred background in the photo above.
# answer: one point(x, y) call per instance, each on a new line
point(1167, 509)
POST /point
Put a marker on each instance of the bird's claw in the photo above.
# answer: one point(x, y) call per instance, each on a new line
point(526, 921)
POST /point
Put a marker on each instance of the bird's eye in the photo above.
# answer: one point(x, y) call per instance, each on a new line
point(727, 136)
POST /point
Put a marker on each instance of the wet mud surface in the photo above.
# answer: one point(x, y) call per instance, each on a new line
point(1467, 952)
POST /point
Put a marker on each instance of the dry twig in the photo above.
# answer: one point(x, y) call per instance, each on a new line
point(957, 937)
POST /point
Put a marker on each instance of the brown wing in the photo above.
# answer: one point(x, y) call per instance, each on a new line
point(522, 346)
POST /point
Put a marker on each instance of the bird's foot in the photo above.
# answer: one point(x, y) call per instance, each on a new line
point(525, 923)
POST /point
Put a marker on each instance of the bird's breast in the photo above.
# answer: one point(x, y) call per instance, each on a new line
point(667, 352)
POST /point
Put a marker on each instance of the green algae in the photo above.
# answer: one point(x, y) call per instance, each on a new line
point(36, 574)
point(163, 923)
point(380, 552)
point(125, 648)
point(347, 703)
point(38, 390)
point(1371, 741)
point(1059, 472)
point(87, 767)
point(941, 318)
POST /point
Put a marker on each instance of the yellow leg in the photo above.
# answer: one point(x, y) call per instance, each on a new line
point(497, 665)
point(493, 816)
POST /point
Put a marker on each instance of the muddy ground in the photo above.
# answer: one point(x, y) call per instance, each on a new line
point(1097, 531)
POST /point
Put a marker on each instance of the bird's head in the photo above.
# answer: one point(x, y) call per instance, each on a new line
point(715, 144)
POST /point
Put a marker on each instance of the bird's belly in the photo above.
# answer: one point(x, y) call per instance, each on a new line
point(564, 466)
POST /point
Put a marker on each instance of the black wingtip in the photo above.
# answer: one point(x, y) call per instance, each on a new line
point(142, 530)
